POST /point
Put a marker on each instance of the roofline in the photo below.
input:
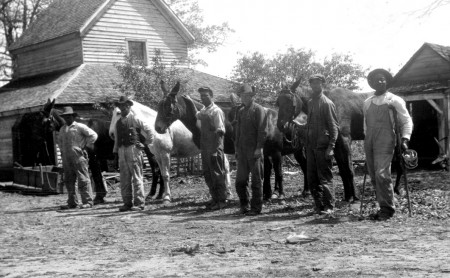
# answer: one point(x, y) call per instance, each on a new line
point(403, 69)
point(95, 16)
point(173, 18)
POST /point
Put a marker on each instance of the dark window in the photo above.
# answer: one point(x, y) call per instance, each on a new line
point(137, 51)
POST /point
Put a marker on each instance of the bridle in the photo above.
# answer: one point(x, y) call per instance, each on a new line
point(174, 113)
point(292, 125)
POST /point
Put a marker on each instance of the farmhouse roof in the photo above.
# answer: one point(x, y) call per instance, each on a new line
point(64, 17)
point(86, 84)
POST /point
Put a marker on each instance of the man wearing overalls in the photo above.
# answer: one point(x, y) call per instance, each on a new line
point(212, 121)
point(128, 148)
point(380, 137)
point(73, 139)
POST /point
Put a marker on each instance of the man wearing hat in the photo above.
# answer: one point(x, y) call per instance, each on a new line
point(73, 138)
point(380, 138)
point(251, 131)
point(322, 132)
point(128, 148)
point(214, 161)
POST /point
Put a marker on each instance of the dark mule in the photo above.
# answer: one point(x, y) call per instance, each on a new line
point(349, 110)
point(103, 150)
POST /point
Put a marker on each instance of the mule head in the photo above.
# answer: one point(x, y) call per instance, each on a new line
point(168, 108)
point(289, 104)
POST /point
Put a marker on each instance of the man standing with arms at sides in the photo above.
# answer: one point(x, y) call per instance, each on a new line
point(73, 138)
point(251, 131)
point(212, 121)
point(128, 148)
point(380, 139)
point(322, 132)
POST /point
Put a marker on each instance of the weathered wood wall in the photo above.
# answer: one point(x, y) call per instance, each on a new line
point(61, 53)
point(6, 145)
point(132, 20)
point(427, 66)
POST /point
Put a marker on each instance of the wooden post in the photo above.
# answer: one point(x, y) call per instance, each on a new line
point(446, 110)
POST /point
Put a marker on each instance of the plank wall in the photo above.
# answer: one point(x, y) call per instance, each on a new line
point(6, 145)
point(132, 20)
point(61, 53)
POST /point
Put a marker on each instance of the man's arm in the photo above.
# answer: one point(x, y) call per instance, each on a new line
point(90, 135)
point(219, 121)
point(145, 127)
point(331, 122)
point(404, 119)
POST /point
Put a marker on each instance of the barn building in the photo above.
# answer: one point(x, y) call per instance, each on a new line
point(424, 83)
point(68, 54)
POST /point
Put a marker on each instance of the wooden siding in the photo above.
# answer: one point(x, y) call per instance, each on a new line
point(62, 53)
point(6, 145)
point(427, 66)
point(128, 20)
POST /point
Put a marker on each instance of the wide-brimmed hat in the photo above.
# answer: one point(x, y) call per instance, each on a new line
point(67, 110)
point(375, 72)
point(245, 89)
point(124, 99)
point(317, 76)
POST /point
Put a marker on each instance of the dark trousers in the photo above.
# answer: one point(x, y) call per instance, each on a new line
point(215, 174)
point(343, 156)
point(320, 178)
point(245, 166)
point(96, 170)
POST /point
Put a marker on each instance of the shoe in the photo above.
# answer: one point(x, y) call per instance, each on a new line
point(380, 216)
point(133, 208)
point(219, 205)
point(253, 213)
point(124, 208)
point(85, 206)
point(244, 210)
point(64, 207)
point(326, 212)
point(99, 201)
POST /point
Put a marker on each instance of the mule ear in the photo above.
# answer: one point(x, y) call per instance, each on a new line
point(234, 99)
point(163, 87)
point(296, 84)
point(176, 88)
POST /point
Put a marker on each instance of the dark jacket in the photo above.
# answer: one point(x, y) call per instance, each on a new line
point(322, 127)
point(251, 129)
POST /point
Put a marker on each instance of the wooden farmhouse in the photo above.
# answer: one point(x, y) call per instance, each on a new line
point(68, 54)
point(424, 83)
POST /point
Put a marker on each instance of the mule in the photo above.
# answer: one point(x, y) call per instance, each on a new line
point(177, 141)
point(103, 149)
point(349, 110)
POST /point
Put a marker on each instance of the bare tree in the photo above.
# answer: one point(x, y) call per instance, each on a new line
point(15, 17)
point(431, 7)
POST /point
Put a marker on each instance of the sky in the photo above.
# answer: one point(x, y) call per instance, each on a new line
point(377, 33)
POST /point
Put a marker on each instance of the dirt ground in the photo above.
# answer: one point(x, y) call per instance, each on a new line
point(184, 239)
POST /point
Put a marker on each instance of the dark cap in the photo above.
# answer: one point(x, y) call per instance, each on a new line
point(67, 110)
point(371, 77)
point(124, 99)
point(245, 89)
point(205, 89)
point(317, 76)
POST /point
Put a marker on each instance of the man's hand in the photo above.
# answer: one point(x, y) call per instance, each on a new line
point(258, 153)
point(405, 144)
point(329, 153)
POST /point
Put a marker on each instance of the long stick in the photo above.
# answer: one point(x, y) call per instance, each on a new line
point(400, 158)
point(362, 193)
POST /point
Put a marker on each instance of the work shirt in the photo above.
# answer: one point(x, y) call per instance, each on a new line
point(212, 124)
point(74, 138)
point(131, 120)
point(322, 126)
point(404, 119)
point(251, 129)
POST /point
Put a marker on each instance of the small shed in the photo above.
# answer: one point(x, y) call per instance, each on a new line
point(423, 82)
